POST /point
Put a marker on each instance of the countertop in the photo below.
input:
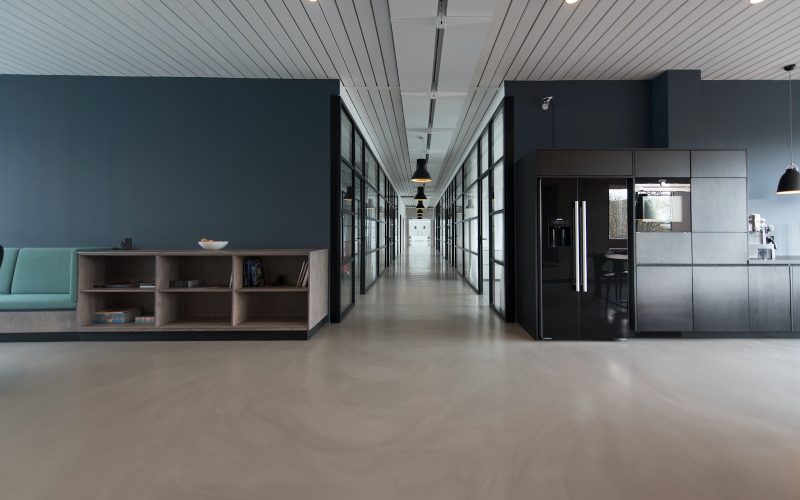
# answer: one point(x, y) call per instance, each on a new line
point(781, 260)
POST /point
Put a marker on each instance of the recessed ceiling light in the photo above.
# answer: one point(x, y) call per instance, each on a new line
point(753, 2)
point(571, 1)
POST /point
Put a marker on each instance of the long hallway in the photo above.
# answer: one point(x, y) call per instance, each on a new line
point(422, 392)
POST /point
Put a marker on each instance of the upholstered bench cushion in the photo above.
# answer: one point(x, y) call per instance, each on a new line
point(36, 301)
point(43, 271)
point(7, 269)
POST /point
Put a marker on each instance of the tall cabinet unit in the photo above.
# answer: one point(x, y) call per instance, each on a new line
point(695, 279)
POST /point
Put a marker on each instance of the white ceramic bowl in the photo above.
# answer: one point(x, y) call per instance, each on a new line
point(213, 245)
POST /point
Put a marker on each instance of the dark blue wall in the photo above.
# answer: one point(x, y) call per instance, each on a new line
point(86, 161)
point(754, 115)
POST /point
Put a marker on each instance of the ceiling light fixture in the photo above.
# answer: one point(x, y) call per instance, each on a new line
point(421, 174)
point(420, 204)
point(420, 211)
point(575, 1)
point(420, 194)
point(790, 180)
point(753, 2)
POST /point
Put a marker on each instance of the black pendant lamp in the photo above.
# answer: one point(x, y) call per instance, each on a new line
point(421, 174)
point(420, 194)
point(349, 194)
point(470, 205)
point(790, 180)
point(420, 204)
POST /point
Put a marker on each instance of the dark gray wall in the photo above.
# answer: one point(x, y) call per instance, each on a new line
point(86, 161)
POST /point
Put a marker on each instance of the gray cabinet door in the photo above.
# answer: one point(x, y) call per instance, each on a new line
point(719, 164)
point(719, 205)
point(663, 248)
point(721, 299)
point(770, 299)
point(571, 163)
point(796, 298)
point(719, 248)
point(662, 163)
point(664, 298)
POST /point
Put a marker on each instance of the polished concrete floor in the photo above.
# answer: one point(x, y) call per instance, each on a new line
point(422, 393)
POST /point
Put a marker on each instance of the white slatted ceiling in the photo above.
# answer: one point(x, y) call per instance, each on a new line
point(623, 40)
point(350, 40)
point(354, 41)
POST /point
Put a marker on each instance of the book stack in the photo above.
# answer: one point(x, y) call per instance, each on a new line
point(302, 279)
point(253, 272)
point(145, 320)
point(115, 316)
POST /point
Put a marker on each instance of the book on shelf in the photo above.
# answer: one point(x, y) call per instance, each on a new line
point(147, 284)
point(185, 283)
point(115, 316)
point(302, 278)
point(145, 320)
point(253, 270)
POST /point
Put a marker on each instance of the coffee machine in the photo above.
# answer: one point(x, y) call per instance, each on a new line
point(760, 244)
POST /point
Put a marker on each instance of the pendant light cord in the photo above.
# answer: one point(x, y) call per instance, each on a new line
point(791, 131)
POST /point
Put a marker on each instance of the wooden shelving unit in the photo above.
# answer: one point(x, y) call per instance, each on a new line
point(221, 304)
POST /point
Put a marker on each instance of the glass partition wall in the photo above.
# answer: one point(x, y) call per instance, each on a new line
point(364, 217)
point(471, 218)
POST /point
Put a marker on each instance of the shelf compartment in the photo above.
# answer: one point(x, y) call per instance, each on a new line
point(200, 289)
point(273, 266)
point(273, 326)
point(104, 270)
point(190, 310)
point(119, 290)
point(214, 271)
point(252, 310)
point(199, 324)
point(90, 303)
point(272, 289)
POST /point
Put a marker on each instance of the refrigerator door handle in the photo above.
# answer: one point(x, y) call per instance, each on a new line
point(584, 266)
point(576, 243)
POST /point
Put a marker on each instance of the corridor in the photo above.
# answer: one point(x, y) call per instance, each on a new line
point(422, 392)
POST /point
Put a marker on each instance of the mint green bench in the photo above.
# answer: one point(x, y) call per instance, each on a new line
point(38, 290)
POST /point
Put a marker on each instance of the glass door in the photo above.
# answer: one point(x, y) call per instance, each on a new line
point(604, 305)
point(560, 301)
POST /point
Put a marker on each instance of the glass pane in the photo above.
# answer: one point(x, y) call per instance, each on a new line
point(347, 236)
point(498, 236)
point(485, 236)
point(484, 160)
point(370, 271)
point(359, 159)
point(347, 194)
point(371, 236)
point(372, 203)
point(499, 289)
point(497, 191)
point(381, 234)
point(473, 235)
point(347, 137)
point(370, 167)
point(471, 268)
point(662, 205)
point(471, 168)
point(497, 136)
point(346, 298)
point(357, 272)
point(471, 202)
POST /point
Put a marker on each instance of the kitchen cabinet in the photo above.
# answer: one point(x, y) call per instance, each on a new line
point(721, 299)
point(658, 164)
point(663, 248)
point(796, 298)
point(573, 163)
point(770, 298)
point(664, 299)
point(719, 248)
point(719, 205)
point(719, 164)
